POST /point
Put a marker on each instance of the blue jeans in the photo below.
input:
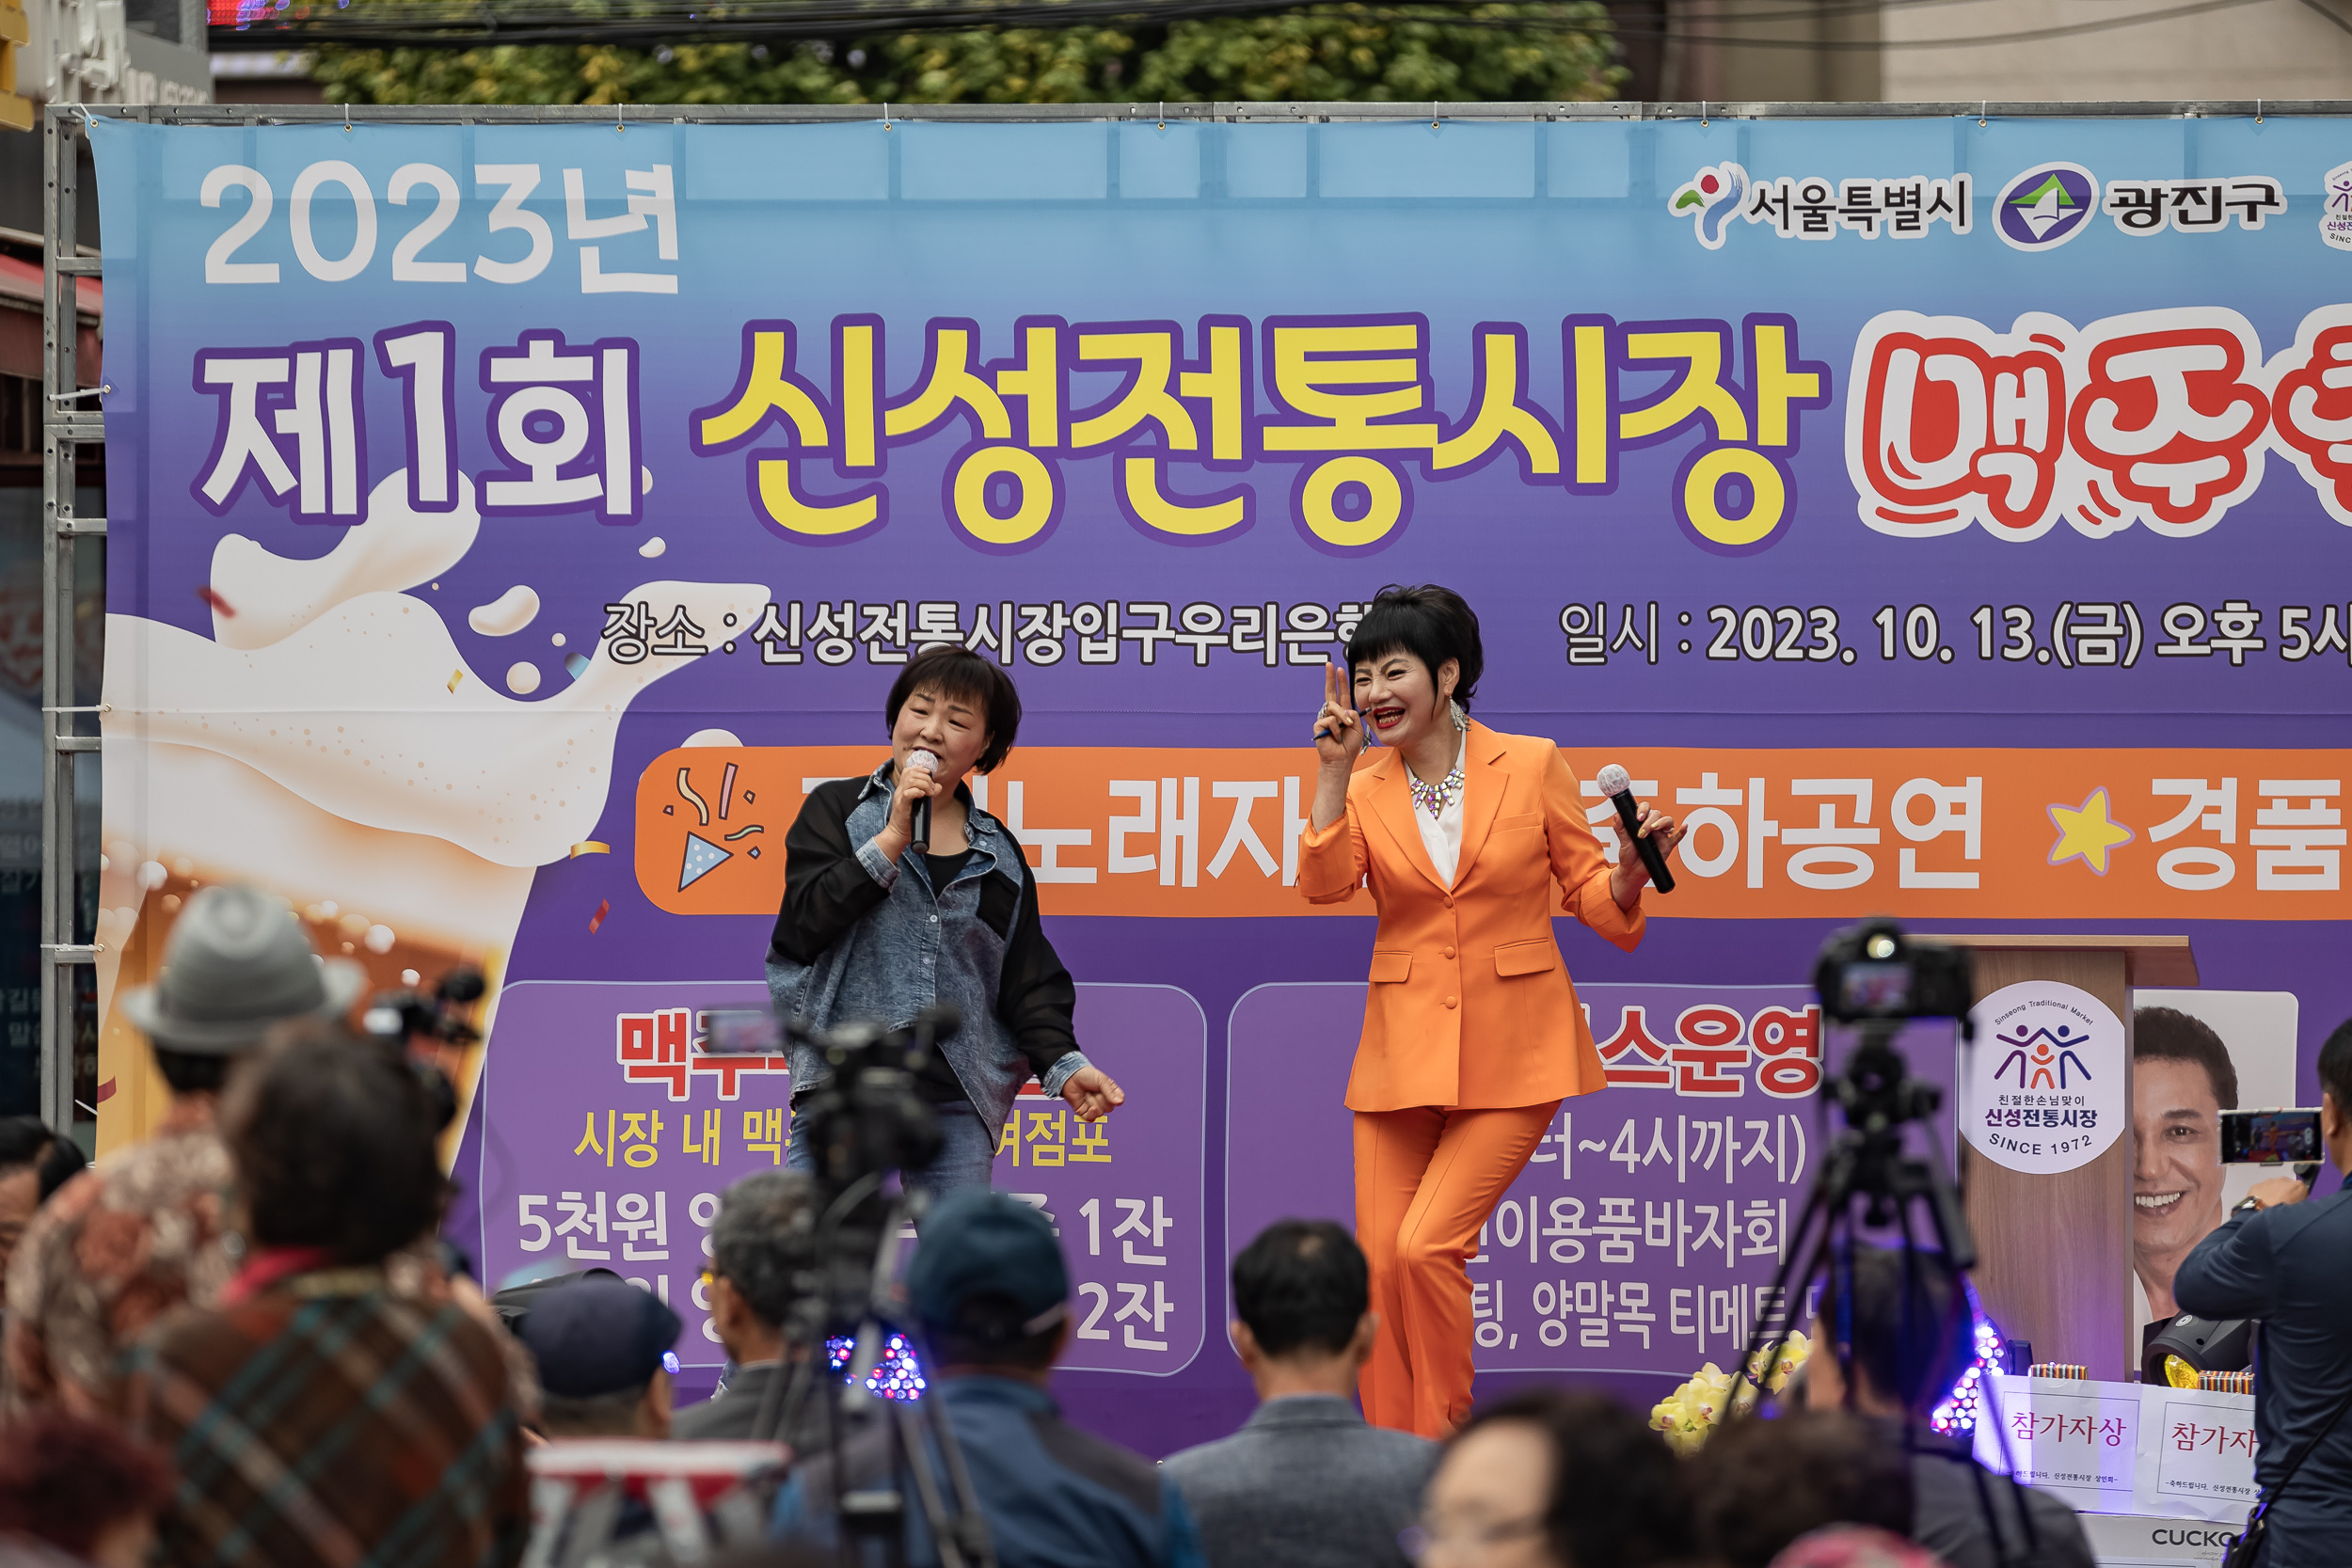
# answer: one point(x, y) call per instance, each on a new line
point(966, 1157)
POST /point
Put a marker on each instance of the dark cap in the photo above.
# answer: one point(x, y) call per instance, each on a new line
point(977, 1242)
point(598, 1337)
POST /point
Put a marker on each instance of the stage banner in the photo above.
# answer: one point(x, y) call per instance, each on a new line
point(510, 523)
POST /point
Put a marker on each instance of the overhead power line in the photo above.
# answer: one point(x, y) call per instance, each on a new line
point(452, 24)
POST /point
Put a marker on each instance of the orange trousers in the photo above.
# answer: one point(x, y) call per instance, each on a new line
point(1426, 1181)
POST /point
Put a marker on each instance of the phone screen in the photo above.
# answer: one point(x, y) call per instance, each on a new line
point(2270, 1137)
point(742, 1032)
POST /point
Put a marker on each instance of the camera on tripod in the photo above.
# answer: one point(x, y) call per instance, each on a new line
point(1872, 972)
point(418, 1026)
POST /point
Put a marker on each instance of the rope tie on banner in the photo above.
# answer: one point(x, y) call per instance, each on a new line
point(2258, 111)
point(1982, 104)
point(620, 126)
point(1433, 113)
point(347, 117)
point(886, 114)
point(1163, 114)
point(1702, 113)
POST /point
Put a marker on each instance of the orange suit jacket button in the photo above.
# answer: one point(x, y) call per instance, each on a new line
point(1449, 952)
point(1451, 1001)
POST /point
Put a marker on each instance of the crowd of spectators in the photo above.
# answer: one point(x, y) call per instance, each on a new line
point(239, 1343)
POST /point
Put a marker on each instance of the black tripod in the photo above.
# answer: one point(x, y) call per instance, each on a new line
point(1867, 1170)
point(860, 1123)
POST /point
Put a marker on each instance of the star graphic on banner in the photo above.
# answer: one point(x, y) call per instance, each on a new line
point(2086, 832)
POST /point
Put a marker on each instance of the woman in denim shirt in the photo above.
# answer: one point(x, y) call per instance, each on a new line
point(870, 932)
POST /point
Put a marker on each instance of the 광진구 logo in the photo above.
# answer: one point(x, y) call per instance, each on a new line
point(1712, 196)
point(2335, 215)
point(2046, 206)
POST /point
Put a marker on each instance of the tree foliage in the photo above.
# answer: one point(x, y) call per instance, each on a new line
point(1363, 52)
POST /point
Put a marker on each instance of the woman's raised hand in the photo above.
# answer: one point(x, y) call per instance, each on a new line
point(1339, 733)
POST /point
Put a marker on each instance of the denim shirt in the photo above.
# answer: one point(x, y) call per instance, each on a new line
point(862, 938)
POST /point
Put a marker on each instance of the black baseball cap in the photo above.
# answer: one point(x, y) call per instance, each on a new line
point(977, 1242)
point(597, 1336)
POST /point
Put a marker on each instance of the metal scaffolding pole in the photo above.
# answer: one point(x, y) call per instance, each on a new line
point(65, 426)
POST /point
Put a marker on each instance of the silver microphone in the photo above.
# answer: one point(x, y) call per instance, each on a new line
point(1617, 784)
point(921, 842)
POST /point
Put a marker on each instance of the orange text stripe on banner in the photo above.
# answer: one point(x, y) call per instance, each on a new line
point(2011, 834)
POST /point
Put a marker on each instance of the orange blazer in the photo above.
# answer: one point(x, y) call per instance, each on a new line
point(1470, 1004)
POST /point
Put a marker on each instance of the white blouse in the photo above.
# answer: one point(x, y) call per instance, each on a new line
point(1441, 836)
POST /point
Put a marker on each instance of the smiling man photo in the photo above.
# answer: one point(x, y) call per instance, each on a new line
point(2181, 1080)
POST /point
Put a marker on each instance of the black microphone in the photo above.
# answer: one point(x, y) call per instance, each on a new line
point(1618, 785)
point(921, 842)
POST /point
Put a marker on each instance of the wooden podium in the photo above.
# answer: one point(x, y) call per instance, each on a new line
point(2055, 1252)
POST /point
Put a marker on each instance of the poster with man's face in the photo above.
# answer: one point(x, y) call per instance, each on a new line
point(2196, 1054)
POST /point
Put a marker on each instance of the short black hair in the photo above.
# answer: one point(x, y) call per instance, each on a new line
point(986, 1331)
point(191, 1071)
point(2169, 1035)
point(1302, 1285)
point(1432, 624)
point(333, 1145)
point(1758, 1486)
point(1914, 1329)
point(1617, 1498)
point(960, 672)
point(29, 1141)
point(760, 1240)
point(2335, 1068)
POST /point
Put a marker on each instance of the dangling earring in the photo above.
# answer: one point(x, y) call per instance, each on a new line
point(1461, 719)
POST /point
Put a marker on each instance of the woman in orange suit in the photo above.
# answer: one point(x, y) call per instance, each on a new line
point(1473, 1035)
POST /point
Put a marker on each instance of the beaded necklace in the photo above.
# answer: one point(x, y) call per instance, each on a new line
point(1434, 798)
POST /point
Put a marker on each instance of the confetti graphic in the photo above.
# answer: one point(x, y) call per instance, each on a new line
point(219, 604)
point(590, 847)
point(686, 791)
point(603, 909)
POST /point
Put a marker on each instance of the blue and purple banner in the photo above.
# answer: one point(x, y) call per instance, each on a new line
point(510, 523)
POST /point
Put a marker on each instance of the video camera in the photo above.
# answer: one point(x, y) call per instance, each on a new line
point(1872, 972)
point(404, 1021)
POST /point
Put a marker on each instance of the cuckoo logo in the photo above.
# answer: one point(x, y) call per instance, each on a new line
point(2046, 206)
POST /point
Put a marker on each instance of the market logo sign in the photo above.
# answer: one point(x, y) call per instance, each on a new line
point(2046, 206)
point(2042, 1090)
point(2335, 216)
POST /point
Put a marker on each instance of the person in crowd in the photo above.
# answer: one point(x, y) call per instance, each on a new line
point(1912, 1335)
point(2284, 1258)
point(34, 1164)
point(1757, 1486)
point(77, 1491)
point(317, 1415)
point(759, 1241)
point(1855, 1546)
point(2181, 1080)
point(991, 1295)
point(600, 1343)
point(1473, 1035)
point(1553, 1478)
point(124, 1242)
point(1306, 1483)
point(875, 927)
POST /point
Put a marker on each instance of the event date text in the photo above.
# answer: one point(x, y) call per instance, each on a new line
point(2075, 634)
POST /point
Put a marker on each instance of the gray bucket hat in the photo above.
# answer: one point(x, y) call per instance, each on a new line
point(235, 963)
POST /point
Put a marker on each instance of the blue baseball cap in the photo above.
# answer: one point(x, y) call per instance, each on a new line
point(597, 1336)
point(977, 1242)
